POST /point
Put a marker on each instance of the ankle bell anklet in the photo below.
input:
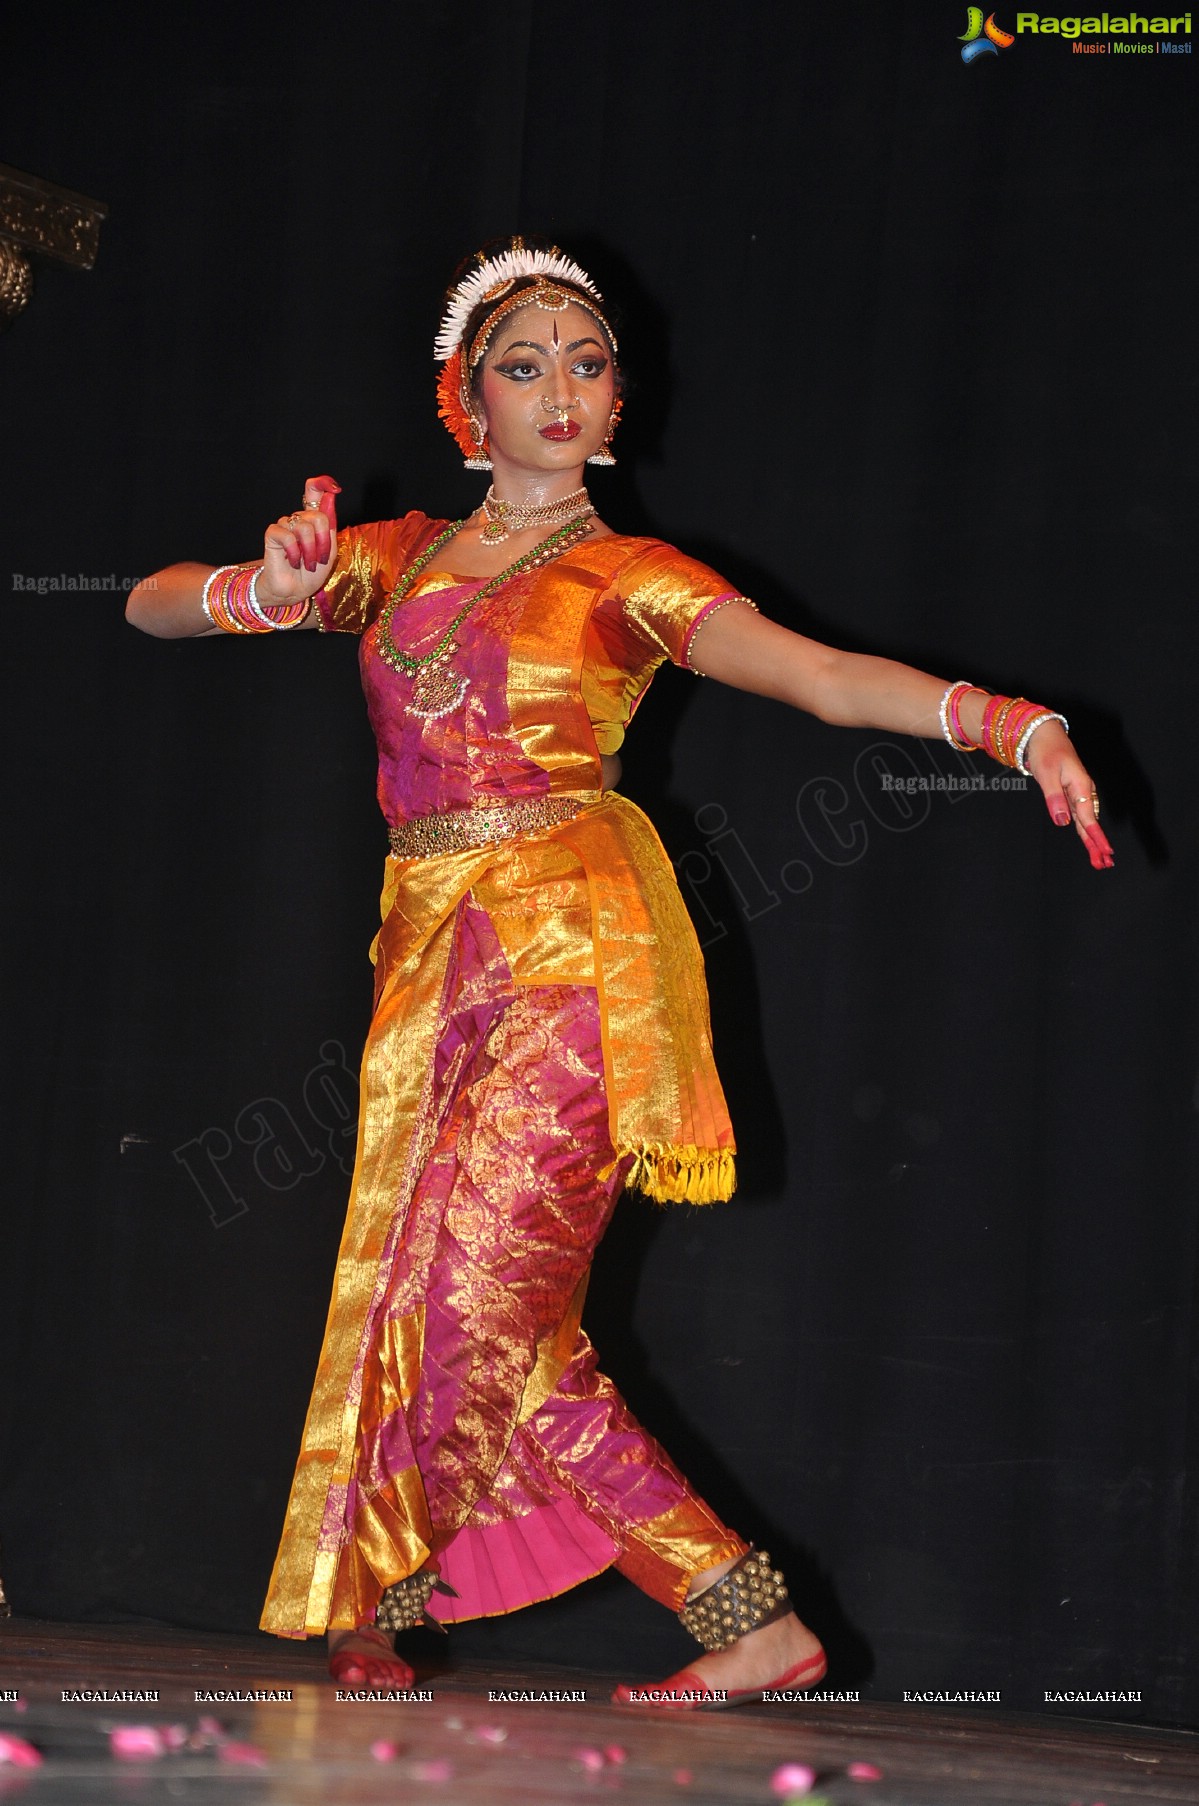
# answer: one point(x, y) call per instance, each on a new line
point(402, 1606)
point(751, 1594)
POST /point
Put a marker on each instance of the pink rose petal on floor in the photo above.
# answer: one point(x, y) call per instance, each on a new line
point(175, 1736)
point(682, 1777)
point(592, 1760)
point(136, 1742)
point(18, 1752)
point(383, 1751)
point(245, 1755)
point(792, 1780)
point(491, 1733)
point(614, 1753)
point(20, 1705)
point(864, 1771)
point(437, 1770)
point(210, 1727)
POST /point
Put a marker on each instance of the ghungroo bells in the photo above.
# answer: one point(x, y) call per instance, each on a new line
point(751, 1594)
point(402, 1606)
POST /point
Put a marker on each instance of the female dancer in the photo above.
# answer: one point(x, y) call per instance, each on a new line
point(540, 1037)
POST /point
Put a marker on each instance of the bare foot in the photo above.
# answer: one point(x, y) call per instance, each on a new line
point(758, 1660)
point(785, 1653)
point(366, 1658)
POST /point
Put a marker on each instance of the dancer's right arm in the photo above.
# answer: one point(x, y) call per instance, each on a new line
point(299, 552)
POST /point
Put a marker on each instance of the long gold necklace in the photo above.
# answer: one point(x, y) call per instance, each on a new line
point(438, 689)
point(504, 518)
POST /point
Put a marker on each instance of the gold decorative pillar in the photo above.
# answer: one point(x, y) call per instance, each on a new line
point(40, 218)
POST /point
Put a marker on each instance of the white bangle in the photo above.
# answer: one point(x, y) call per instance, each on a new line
point(255, 608)
point(208, 583)
point(963, 685)
point(1027, 734)
point(252, 601)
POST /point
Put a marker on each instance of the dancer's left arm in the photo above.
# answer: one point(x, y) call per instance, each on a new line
point(852, 689)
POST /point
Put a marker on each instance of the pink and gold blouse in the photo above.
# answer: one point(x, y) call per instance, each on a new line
point(558, 660)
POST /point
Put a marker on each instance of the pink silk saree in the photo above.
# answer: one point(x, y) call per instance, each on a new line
point(540, 1040)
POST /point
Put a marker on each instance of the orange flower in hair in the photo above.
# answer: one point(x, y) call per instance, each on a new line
point(450, 406)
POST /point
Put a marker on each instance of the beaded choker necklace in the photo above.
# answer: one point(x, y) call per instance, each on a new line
point(515, 517)
point(437, 688)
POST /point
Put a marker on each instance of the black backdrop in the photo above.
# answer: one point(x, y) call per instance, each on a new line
point(911, 350)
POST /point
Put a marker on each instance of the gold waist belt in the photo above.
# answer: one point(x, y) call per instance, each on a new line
point(459, 830)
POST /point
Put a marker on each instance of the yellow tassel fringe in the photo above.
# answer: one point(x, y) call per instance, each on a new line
point(682, 1175)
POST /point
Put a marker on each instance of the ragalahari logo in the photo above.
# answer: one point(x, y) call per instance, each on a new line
point(983, 37)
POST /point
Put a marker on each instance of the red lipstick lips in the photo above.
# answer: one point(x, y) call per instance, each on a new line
point(561, 429)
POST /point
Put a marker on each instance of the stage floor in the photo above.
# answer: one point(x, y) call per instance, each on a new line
point(460, 1748)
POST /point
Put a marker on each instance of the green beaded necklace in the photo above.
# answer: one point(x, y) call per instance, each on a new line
point(439, 689)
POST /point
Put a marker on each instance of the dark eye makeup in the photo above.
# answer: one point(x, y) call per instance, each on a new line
point(519, 370)
point(523, 370)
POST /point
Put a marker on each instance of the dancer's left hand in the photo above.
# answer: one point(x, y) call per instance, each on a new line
point(1068, 789)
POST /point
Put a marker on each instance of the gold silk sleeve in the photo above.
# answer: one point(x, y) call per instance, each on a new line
point(665, 597)
point(370, 560)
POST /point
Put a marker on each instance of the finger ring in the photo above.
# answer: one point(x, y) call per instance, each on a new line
point(293, 519)
point(315, 505)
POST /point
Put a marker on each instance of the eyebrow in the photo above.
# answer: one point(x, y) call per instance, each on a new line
point(532, 345)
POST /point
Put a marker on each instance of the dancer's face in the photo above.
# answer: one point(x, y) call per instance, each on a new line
point(548, 387)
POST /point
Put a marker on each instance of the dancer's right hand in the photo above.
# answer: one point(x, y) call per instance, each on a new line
point(300, 549)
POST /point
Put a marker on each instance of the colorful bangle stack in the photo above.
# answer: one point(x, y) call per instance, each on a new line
point(230, 601)
point(1025, 733)
point(1009, 723)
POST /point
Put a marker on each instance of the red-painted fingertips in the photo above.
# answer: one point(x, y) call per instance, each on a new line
point(1099, 847)
point(328, 489)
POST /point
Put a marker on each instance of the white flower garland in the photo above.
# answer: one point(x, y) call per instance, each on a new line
point(498, 273)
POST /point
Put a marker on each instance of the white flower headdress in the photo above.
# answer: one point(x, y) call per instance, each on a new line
point(492, 277)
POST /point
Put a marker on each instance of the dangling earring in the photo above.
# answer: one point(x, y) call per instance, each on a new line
point(478, 459)
point(605, 454)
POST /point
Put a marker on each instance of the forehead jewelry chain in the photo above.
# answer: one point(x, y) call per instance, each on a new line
point(504, 518)
point(438, 689)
